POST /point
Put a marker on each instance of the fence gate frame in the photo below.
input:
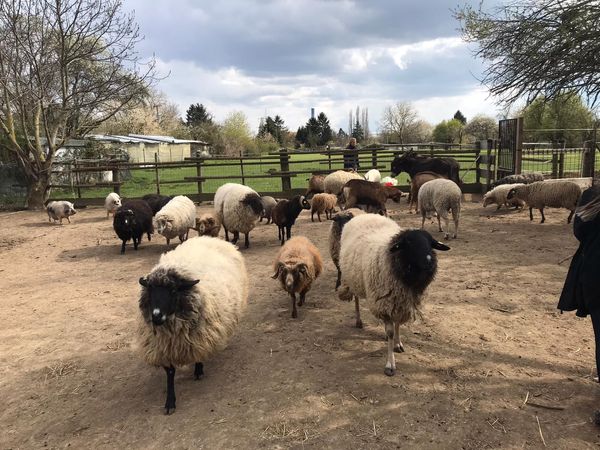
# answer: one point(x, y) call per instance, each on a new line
point(509, 153)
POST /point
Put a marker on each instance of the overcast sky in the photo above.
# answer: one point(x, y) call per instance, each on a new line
point(285, 56)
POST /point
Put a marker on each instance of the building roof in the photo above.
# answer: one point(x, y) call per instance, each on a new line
point(141, 138)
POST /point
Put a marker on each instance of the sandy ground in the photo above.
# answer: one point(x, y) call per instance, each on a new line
point(490, 337)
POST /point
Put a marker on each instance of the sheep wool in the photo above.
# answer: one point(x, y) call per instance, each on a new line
point(499, 195)
point(541, 194)
point(241, 208)
point(219, 198)
point(176, 218)
point(373, 175)
point(323, 203)
point(112, 203)
point(440, 196)
point(334, 182)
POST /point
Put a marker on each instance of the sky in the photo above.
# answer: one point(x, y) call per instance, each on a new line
point(287, 56)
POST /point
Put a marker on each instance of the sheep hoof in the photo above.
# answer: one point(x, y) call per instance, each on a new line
point(596, 417)
point(389, 371)
point(359, 324)
point(294, 315)
point(399, 348)
point(169, 410)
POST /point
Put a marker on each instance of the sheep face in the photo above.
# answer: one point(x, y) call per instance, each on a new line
point(487, 199)
point(254, 202)
point(163, 225)
point(413, 259)
point(291, 275)
point(304, 202)
point(205, 225)
point(511, 194)
point(126, 217)
point(160, 301)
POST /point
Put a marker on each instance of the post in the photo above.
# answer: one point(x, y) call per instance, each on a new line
point(199, 174)
point(374, 158)
point(490, 146)
point(561, 164)
point(329, 159)
point(77, 180)
point(156, 175)
point(518, 161)
point(431, 150)
point(242, 169)
point(477, 164)
point(284, 163)
point(554, 164)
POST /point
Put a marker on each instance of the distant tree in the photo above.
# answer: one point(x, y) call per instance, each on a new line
point(275, 127)
point(315, 132)
point(482, 127)
point(398, 121)
point(448, 131)
point(460, 117)
point(235, 131)
point(324, 129)
point(357, 131)
point(302, 135)
point(196, 115)
point(342, 134)
point(420, 132)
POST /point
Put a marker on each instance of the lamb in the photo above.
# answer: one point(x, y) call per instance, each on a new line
point(190, 305)
point(499, 194)
point(241, 208)
point(418, 180)
point(156, 201)
point(208, 225)
point(541, 194)
point(268, 205)
point(316, 185)
point(390, 267)
point(131, 221)
point(176, 218)
point(112, 203)
point(285, 214)
point(440, 196)
point(297, 265)
point(323, 203)
point(371, 194)
point(523, 178)
point(59, 210)
point(335, 235)
point(373, 175)
point(334, 182)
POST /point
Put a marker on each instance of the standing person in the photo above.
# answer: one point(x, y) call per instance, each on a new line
point(581, 291)
point(351, 155)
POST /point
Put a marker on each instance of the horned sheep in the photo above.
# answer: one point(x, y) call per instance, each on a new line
point(323, 203)
point(190, 305)
point(541, 194)
point(392, 275)
point(176, 218)
point(440, 196)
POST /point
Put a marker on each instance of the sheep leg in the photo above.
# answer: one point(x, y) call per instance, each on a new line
point(226, 234)
point(168, 241)
point(312, 216)
point(289, 232)
point(107, 214)
point(423, 214)
point(530, 213)
point(398, 347)
point(302, 298)
point(359, 323)
point(136, 242)
point(170, 403)
point(236, 237)
point(446, 224)
point(246, 240)
point(149, 237)
point(455, 216)
point(198, 370)
point(319, 215)
point(123, 247)
point(60, 221)
point(439, 223)
point(390, 365)
point(543, 217)
point(68, 220)
point(338, 281)
point(294, 310)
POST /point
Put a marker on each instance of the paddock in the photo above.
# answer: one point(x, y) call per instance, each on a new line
point(492, 363)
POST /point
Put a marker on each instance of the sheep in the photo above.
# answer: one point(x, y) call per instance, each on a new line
point(297, 265)
point(390, 267)
point(335, 235)
point(498, 195)
point(541, 194)
point(176, 218)
point(322, 203)
point(241, 208)
point(190, 305)
point(415, 184)
point(373, 175)
point(208, 225)
point(316, 185)
point(523, 178)
point(440, 196)
point(59, 210)
point(268, 205)
point(334, 182)
point(156, 201)
point(131, 221)
point(285, 214)
point(368, 193)
point(112, 203)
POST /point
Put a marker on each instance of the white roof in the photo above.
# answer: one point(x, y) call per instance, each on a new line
point(137, 138)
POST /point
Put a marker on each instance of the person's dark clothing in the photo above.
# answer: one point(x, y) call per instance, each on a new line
point(351, 157)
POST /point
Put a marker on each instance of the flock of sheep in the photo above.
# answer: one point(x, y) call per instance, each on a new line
point(192, 300)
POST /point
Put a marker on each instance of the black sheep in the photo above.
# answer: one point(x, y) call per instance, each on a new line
point(131, 221)
point(412, 164)
point(285, 214)
point(156, 201)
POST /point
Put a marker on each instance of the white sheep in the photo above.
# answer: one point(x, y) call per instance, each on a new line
point(112, 203)
point(59, 210)
point(392, 275)
point(542, 194)
point(176, 218)
point(334, 182)
point(190, 305)
point(241, 209)
point(499, 194)
point(440, 196)
point(373, 175)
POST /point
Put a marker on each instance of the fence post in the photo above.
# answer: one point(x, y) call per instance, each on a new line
point(199, 174)
point(477, 164)
point(561, 164)
point(242, 169)
point(156, 175)
point(329, 159)
point(284, 162)
point(554, 164)
point(431, 150)
point(518, 161)
point(490, 146)
point(374, 158)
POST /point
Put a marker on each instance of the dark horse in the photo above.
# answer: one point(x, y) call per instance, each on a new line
point(412, 164)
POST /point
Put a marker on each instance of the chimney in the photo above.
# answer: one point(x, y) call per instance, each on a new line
point(312, 113)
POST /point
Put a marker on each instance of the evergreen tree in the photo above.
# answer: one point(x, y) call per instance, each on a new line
point(460, 117)
point(273, 126)
point(197, 115)
point(324, 129)
point(357, 131)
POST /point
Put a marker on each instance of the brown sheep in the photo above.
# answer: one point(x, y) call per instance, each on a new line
point(415, 184)
point(323, 203)
point(373, 195)
point(297, 265)
point(208, 224)
point(316, 185)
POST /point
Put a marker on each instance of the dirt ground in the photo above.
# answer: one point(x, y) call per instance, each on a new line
point(490, 337)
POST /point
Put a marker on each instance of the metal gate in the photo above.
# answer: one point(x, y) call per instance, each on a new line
point(509, 135)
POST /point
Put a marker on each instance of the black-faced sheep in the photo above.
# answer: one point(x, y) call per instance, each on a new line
point(541, 194)
point(190, 305)
point(240, 208)
point(131, 221)
point(322, 203)
point(390, 267)
point(440, 196)
point(156, 201)
point(59, 210)
point(112, 203)
point(297, 265)
point(370, 194)
point(176, 218)
point(208, 225)
point(285, 214)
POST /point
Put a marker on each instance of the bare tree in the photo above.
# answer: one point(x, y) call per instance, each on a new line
point(399, 121)
point(66, 66)
point(537, 48)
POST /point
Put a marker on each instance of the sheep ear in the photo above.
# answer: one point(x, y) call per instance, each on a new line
point(439, 245)
point(184, 285)
point(144, 281)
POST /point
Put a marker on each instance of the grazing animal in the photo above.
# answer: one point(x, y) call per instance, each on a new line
point(542, 194)
point(335, 236)
point(297, 265)
point(390, 267)
point(59, 210)
point(522, 178)
point(208, 225)
point(131, 221)
point(370, 194)
point(323, 203)
point(316, 185)
point(240, 209)
point(440, 196)
point(268, 203)
point(285, 214)
point(176, 218)
point(334, 182)
point(415, 184)
point(112, 203)
point(190, 305)
point(412, 164)
point(499, 195)
point(156, 201)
